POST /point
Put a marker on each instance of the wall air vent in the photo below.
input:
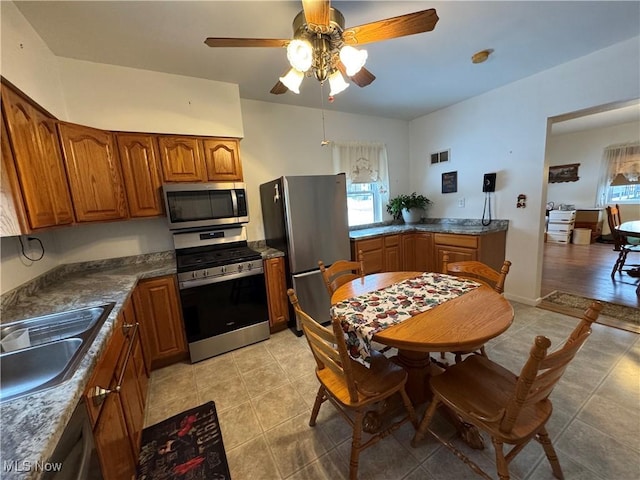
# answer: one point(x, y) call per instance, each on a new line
point(440, 157)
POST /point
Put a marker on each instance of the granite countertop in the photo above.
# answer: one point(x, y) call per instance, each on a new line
point(435, 225)
point(33, 425)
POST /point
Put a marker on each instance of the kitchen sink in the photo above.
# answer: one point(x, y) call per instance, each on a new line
point(58, 342)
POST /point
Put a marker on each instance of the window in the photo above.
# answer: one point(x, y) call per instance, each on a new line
point(620, 174)
point(365, 166)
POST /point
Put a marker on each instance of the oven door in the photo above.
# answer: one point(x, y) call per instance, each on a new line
point(195, 205)
point(224, 306)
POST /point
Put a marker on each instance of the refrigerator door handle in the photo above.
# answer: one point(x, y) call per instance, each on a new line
point(307, 274)
point(276, 197)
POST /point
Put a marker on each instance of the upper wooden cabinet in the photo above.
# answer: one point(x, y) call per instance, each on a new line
point(94, 173)
point(222, 159)
point(140, 161)
point(38, 163)
point(13, 219)
point(196, 159)
point(181, 159)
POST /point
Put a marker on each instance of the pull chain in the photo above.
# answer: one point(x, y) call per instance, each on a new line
point(324, 141)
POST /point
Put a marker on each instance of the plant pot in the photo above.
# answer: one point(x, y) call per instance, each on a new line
point(413, 215)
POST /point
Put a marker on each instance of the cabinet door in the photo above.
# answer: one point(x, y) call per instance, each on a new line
point(13, 219)
point(181, 159)
point(222, 159)
point(158, 311)
point(424, 261)
point(131, 398)
point(112, 442)
point(41, 173)
point(456, 254)
point(392, 253)
point(94, 173)
point(409, 252)
point(372, 253)
point(274, 275)
point(140, 163)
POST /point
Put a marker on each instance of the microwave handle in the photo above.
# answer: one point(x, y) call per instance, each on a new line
point(234, 202)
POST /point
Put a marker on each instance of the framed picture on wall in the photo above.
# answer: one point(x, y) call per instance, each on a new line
point(450, 182)
point(564, 173)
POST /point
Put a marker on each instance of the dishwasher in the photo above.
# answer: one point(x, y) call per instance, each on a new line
point(76, 453)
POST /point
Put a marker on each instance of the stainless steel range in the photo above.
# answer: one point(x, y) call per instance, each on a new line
point(222, 290)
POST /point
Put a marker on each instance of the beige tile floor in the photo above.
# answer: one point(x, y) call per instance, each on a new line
point(264, 394)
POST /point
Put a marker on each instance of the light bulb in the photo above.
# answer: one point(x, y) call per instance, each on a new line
point(300, 55)
point(353, 59)
point(292, 80)
point(337, 83)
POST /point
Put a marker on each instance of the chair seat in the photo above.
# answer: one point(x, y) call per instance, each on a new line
point(372, 383)
point(482, 388)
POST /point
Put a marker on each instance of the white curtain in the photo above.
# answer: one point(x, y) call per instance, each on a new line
point(622, 159)
point(362, 162)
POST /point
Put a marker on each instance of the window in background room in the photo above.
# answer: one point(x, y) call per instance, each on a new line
point(620, 174)
point(365, 166)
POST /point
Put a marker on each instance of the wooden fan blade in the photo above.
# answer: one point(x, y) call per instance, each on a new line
point(279, 88)
point(316, 11)
point(401, 26)
point(363, 78)
point(246, 42)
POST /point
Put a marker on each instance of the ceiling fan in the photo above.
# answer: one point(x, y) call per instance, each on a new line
point(323, 47)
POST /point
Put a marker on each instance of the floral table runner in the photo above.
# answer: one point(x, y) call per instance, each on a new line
point(367, 314)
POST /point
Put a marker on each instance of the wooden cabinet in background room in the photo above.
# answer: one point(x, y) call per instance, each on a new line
point(274, 275)
point(38, 163)
point(488, 248)
point(157, 308)
point(140, 162)
point(94, 173)
point(222, 159)
point(181, 159)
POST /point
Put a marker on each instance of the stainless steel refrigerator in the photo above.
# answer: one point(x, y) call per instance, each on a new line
point(306, 217)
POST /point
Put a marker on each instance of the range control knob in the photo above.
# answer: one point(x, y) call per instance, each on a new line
point(240, 267)
point(249, 266)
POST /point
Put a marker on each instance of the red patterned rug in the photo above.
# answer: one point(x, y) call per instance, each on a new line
point(187, 445)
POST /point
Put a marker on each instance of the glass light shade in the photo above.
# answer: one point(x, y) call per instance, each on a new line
point(300, 55)
point(353, 59)
point(292, 80)
point(337, 83)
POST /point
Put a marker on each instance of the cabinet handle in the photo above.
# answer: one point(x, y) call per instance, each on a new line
point(99, 394)
point(126, 327)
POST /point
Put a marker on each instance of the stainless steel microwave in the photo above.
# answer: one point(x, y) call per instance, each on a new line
point(195, 205)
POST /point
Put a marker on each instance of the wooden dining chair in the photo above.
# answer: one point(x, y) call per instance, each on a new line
point(476, 271)
point(350, 386)
point(341, 272)
point(621, 243)
point(512, 409)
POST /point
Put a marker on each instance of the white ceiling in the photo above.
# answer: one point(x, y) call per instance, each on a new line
point(416, 75)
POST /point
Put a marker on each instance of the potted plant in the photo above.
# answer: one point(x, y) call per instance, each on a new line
point(409, 207)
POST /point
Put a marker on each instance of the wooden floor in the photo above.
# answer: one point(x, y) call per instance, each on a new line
point(586, 270)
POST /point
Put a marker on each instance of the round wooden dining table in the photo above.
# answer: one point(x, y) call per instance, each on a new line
point(463, 323)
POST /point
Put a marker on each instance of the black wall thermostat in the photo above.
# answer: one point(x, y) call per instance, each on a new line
point(489, 183)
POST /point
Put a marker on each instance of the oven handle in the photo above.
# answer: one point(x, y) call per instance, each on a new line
point(186, 284)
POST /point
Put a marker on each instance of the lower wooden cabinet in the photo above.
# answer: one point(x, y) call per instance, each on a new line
point(274, 275)
point(423, 251)
point(157, 308)
point(488, 248)
point(115, 399)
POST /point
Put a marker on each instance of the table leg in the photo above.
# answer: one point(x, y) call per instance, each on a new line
point(418, 367)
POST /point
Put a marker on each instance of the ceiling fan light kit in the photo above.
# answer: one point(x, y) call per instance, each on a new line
point(323, 47)
point(481, 56)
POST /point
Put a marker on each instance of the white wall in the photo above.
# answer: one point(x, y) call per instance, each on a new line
point(585, 147)
point(129, 99)
point(285, 140)
point(504, 131)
